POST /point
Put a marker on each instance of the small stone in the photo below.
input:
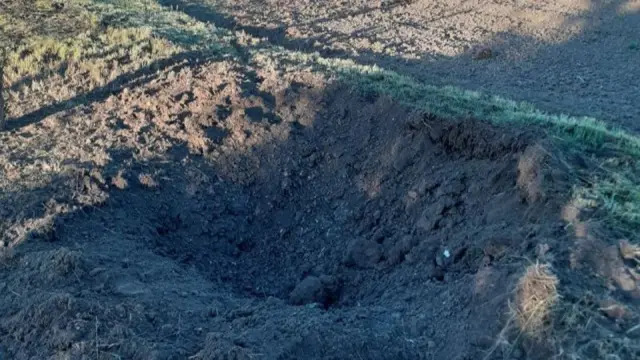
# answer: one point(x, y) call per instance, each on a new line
point(625, 281)
point(308, 291)
point(484, 342)
point(401, 249)
point(443, 258)
point(486, 261)
point(428, 220)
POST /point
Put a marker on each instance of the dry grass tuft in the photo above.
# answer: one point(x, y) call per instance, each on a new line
point(629, 251)
point(148, 181)
point(119, 181)
point(536, 295)
point(529, 317)
point(530, 173)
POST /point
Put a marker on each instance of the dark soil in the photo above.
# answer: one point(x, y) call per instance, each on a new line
point(332, 226)
point(212, 210)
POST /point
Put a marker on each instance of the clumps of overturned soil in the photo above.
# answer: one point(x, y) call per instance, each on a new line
point(322, 290)
point(244, 212)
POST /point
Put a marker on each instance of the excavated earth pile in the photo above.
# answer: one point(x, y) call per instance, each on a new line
point(248, 214)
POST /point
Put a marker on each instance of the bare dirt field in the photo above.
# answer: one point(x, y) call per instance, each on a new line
point(236, 180)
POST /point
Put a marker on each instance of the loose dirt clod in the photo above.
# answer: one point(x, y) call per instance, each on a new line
point(629, 251)
point(482, 53)
point(321, 290)
point(363, 253)
point(613, 309)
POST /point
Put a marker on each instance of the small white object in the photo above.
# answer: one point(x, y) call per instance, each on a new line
point(447, 254)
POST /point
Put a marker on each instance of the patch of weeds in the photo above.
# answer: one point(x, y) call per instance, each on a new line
point(41, 53)
point(174, 26)
point(617, 192)
point(22, 20)
point(579, 319)
point(44, 70)
point(377, 47)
